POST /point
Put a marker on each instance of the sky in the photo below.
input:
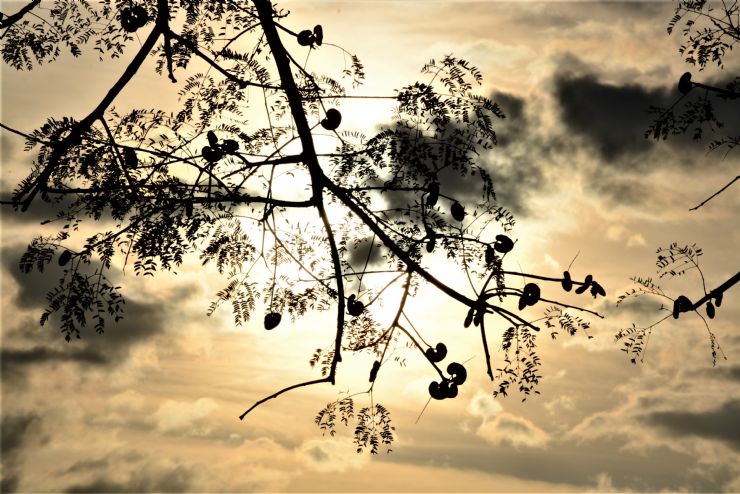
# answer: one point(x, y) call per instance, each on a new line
point(153, 404)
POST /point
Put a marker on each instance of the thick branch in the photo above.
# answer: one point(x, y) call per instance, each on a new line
point(717, 291)
point(287, 82)
point(12, 19)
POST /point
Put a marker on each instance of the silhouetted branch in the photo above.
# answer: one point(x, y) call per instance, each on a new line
point(241, 82)
point(12, 19)
point(326, 379)
point(715, 194)
point(717, 292)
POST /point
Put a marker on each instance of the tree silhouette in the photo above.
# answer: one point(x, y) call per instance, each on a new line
point(709, 32)
point(294, 225)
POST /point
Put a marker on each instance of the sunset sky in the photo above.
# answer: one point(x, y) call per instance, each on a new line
point(153, 404)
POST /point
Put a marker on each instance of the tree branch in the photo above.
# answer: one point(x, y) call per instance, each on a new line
point(715, 194)
point(12, 19)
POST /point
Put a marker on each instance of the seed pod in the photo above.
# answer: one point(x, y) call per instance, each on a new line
point(64, 258)
point(318, 34)
point(490, 254)
point(567, 283)
point(597, 289)
point(212, 139)
point(586, 284)
point(230, 146)
point(450, 390)
point(457, 373)
point(212, 155)
point(355, 308)
point(503, 244)
point(129, 158)
point(718, 299)
point(432, 194)
point(437, 391)
point(374, 370)
point(458, 211)
point(478, 319)
point(530, 294)
point(684, 83)
point(431, 242)
point(469, 318)
point(710, 310)
point(681, 304)
point(128, 22)
point(272, 320)
point(305, 38)
point(139, 16)
point(332, 120)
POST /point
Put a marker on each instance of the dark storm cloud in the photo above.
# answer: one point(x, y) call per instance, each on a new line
point(721, 424)
point(574, 464)
point(178, 479)
point(611, 118)
point(16, 433)
point(28, 344)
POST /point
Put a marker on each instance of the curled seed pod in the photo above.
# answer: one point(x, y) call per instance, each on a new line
point(710, 310)
point(450, 389)
point(684, 83)
point(355, 308)
point(374, 370)
point(503, 244)
point(432, 194)
point(272, 320)
point(318, 34)
point(567, 282)
point(441, 351)
point(332, 120)
point(458, 211)
point(437, 390)
point(212, 155)
point(64, 258)
point(469, 318)
point(531, 293)
point(457, 373)
point(305, 38)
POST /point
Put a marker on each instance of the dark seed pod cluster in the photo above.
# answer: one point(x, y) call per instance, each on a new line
point(215, 151)
point(447, 388)
point(133, 18)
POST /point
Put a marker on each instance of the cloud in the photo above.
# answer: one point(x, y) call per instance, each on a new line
point(186, 419)
point(148, 478)
point(484, 405)
point(506, 428)
point(717, 424)
point(610, 118)
point(330, 455)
